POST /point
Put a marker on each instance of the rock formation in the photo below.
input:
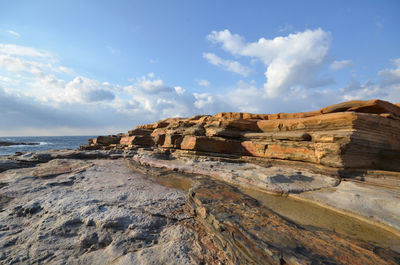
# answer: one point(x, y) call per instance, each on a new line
point(319, 187)
point(354, 134)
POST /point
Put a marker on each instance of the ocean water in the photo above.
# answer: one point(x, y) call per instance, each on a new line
point(45, 143)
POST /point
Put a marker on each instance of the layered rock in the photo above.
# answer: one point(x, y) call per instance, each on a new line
point(76, 207)
point(354, 134)
point(249, 233)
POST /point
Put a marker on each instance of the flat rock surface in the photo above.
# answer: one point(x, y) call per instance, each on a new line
point(375, 203)
point(367, 201)
point(90, 212)
point(273, 179)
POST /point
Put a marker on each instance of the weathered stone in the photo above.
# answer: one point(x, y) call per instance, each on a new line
point(353, 134)
point(249, 233)
point(143, 140)
point(104, 214)
point(106, 140)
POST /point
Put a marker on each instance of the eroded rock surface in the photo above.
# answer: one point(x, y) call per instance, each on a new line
point(251, 234)
point(193, 191)
point(113, 211)
point(90, 212)
point(270, 178)
point(354, 134)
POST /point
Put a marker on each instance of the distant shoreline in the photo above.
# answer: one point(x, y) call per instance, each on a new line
point(3, 143)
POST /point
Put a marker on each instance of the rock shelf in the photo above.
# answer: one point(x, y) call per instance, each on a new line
point(320, 187)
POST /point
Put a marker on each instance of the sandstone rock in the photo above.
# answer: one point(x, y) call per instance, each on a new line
point(251, 234)
point(369, 106)
point(106, 140)
point(353, 134)
point(142, 140)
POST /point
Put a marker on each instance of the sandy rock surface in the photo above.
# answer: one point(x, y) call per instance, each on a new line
point(90, 212)
point(273, 179)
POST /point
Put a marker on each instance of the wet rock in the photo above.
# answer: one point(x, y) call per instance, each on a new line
point(248, 233)
point(272, 178)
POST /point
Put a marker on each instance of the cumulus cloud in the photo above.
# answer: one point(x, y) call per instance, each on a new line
point(391, 76)
point(202, 100)
point(179, 90)
point(337, 65)
point(227, 65)
point(293, 60)
point(387, 87)
point(150, 86)
point(39, 95)
point(18, 50)
point(16, 34)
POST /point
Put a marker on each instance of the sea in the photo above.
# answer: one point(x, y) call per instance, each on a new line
point(44, 143)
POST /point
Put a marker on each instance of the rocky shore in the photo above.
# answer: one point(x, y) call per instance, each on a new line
point(320, 187)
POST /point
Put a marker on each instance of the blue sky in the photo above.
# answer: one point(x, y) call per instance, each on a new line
point(99, 67)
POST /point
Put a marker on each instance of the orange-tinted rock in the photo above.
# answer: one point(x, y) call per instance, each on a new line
point(212, 145)
point(353, 134)
point(140, 131)
point(248, 233)
point(370, 106)
point(144, 140)
point(107, 140)
point(241, 115)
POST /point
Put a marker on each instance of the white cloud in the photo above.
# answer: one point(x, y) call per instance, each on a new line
point(31, 86)
point(228, 65)
point(337, 65)
point(368, 90)
point(291, 61)
point(150, 86)
point(202, 100)
point(17, 50)
point(386, 88)
point(391, 76)
point(179, 90)
point(38, 94)
point(16, 34)
point(204, 83)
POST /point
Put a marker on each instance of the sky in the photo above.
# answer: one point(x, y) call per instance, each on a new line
point(103, 67)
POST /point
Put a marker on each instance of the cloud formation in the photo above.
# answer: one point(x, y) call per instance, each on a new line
point(227, 65)
point(291, 61)
point(33, 83)
point(338, 65)
point(391, 76)
point(39, 95)
point(16, 34)
point(203, 83)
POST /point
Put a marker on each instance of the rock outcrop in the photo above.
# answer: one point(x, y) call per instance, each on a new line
point(320, 187)
point(354, 134)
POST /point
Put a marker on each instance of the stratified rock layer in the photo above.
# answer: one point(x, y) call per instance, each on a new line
point(251, 234)
point(354, 134)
